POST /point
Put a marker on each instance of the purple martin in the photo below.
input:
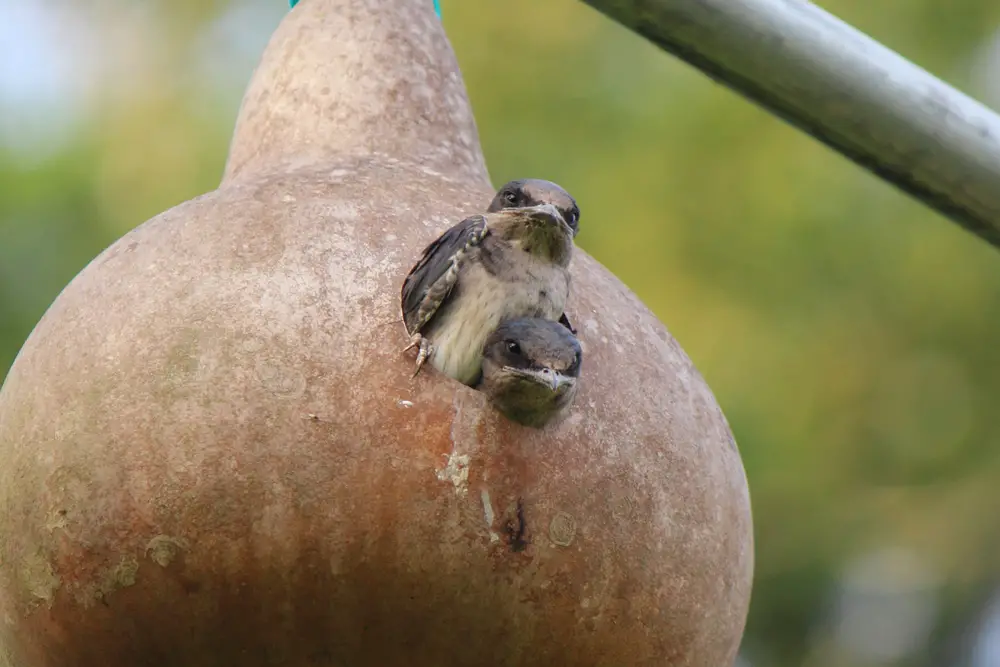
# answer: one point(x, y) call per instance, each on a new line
point(530, 370)
point(510, 262)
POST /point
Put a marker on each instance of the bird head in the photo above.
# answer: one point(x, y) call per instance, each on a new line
point(530, 192)
point(530, 369)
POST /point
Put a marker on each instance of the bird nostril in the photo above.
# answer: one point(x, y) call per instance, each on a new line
point(552, 377)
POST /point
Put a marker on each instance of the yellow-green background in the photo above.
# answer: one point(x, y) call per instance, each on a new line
point(851, 336)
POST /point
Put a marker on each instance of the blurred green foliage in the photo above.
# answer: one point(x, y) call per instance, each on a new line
point(849, 333)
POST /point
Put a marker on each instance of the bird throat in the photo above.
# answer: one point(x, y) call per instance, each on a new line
point(546, 242)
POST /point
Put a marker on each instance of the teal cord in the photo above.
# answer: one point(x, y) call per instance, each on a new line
point(437, 5)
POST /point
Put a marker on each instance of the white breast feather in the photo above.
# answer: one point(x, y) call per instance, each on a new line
point(483, 303)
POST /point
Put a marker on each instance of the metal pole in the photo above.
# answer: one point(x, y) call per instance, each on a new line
point(843, 88)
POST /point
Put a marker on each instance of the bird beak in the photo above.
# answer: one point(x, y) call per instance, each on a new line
point(552, 378)
point(550, 212)
point(545, 376)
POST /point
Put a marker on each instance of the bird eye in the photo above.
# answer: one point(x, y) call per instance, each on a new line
point(511, 197)
point(513, 347)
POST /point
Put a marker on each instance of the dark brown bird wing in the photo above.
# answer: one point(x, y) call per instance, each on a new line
point(432, 278)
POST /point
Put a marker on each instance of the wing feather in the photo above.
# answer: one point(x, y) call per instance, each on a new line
point(429, 283)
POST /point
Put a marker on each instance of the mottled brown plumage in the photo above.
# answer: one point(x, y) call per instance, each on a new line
point(507, 263)
point(531, 368)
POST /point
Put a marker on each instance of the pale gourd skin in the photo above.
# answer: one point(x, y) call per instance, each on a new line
point(214, 454)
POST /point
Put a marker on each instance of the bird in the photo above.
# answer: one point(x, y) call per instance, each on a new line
point(532, 191)
point(512, 261)
point(531, 369)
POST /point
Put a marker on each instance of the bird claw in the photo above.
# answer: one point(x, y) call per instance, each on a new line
point(425, 350)
point(415, 341)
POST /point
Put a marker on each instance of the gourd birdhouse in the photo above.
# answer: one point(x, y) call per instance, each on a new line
point(212, 451)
